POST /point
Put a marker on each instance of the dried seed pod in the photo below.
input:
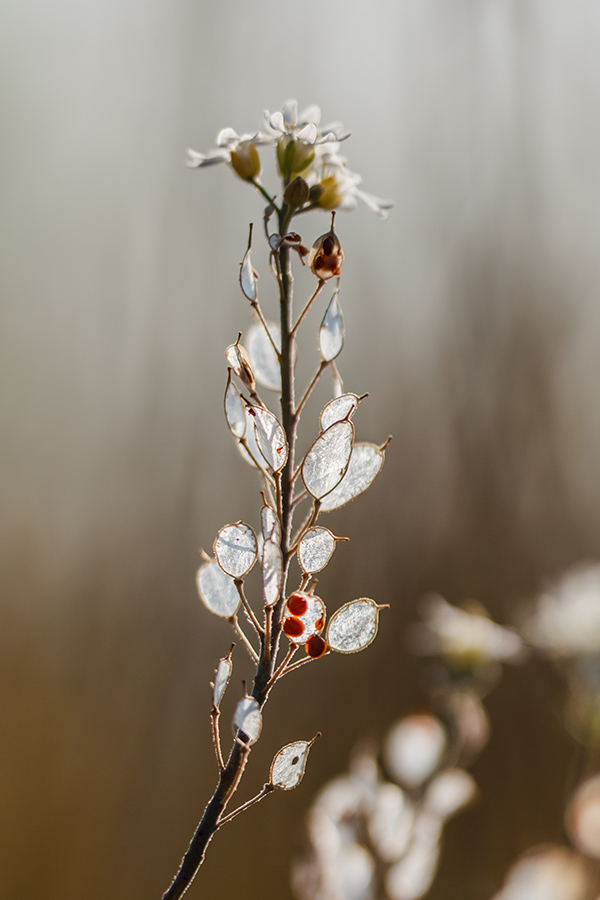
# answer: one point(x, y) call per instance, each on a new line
point(326, 257)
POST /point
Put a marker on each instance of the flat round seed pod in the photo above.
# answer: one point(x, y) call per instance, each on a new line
point(248, 718)
point(331, 332)
point(313, 618)
point(326, 462)
point(315, 549)
point(364, 466)
point(337, 409)
point(353, 626)
point(262, 354)
point(272, 572)
point(217, 590)
point(235, 413)
point(222, 676)
point(270, 438)
point(247, 277)
point(287, 768)
point(235, 549)
point(271, 529)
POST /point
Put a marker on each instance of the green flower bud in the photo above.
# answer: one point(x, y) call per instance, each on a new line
point(296, 193)
point(293, 157)
point(245, 161)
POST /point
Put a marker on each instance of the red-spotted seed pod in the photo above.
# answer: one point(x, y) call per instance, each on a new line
point(326, 256)
point(297, 604)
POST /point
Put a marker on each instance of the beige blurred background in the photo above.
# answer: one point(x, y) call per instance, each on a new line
point(472, 319)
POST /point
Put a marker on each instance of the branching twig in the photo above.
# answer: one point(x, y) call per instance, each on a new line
point(267, 789)
point(239, 583)
point(238, 630)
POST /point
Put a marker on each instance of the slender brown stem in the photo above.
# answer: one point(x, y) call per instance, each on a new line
point(301, 662)
point(267, 789)
point(308, 305)
point(238, 630)
point(311, 386)
point(285, 661)
point(249, 611)
point(215, 713)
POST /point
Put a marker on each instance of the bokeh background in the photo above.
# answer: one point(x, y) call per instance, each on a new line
point(472, 319)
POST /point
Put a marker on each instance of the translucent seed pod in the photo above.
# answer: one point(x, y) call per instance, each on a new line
point(272, 572)
point(248, 277)
point(287, 768)
point(270, 438)
point(222, 676)
point(248, 718)
point(326, 462)
point(364, 467)
point(263, 358)
point(237, 358)
point(331, 332)
point(354, 626)
point(235, 413)
point(235, 549)
point(315, 549)
point(337, 409)
point(217, 590)
point(326, 256)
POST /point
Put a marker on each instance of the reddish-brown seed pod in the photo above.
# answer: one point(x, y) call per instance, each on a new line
point(293, 627)
point(315, 646)
point(326, 256)
point(297, 604)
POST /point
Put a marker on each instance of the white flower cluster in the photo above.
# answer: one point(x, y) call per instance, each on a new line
point(304, 149)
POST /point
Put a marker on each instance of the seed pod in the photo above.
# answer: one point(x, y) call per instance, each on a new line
point(326, 257)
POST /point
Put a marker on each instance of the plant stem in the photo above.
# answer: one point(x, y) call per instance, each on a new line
point(230, 776)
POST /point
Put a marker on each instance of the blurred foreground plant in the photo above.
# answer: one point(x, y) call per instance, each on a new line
point(334, 470)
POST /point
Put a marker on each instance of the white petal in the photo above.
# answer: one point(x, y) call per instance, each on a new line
point(308, 134)
point(289, 112)
point(217, 590)
point(315, 549)
point(248, 718)
point(331, 333)
point(222, 676)
point(270, 438)
point(364, 466)
point(354, 626)
point(197, 160)
point(375, 204)
point(310, 114)
point(287, 768)
point(326, 462)
point(277, 122)
point(235, 549)
point(226, 137)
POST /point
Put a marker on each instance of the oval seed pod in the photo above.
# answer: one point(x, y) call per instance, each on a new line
point(235, 413)
point(272, 572)
point(315, 549)
point(235, 549)
point(263, 358)
point(248, 277)
point(217, 590)
point(240, 363)
point(364, 466)
point(337, 409)
point(270, 438)
point(326, 257)
point(331, 332)
point(222, 676)
point(326, 462)
point(248, 718)
point(287, 768)
point(354, 626)
point(271, 529)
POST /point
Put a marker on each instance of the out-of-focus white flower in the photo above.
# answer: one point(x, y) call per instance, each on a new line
point(414, 748)
point(551, 874)
point(463, 637)
point(334, 186)
point(583, 818)
point(566, 621)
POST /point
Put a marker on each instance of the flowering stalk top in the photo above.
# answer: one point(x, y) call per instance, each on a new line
point(303, 150)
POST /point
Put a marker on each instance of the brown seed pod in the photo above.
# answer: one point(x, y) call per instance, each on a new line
point(326, 256)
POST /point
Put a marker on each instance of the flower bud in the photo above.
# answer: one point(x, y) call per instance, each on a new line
point(246, 161)
point(296, 193)
point(330, 195)
point(293, 157)
point(326, 257)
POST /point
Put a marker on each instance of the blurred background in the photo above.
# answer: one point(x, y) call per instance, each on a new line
point(472, 320)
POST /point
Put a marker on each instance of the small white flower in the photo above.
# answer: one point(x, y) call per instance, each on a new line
point(566, 621)
point(466, 637)
point(339, 186)
point(303, 127)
